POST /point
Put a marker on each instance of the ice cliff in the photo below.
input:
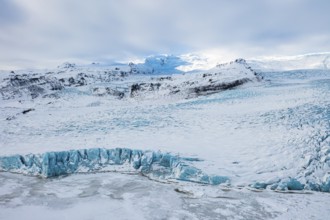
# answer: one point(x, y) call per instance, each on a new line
point(155, 165)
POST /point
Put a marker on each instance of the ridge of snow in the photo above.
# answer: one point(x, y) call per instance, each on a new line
point(305, 61)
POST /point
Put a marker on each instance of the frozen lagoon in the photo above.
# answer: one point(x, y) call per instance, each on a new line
point(122, 196)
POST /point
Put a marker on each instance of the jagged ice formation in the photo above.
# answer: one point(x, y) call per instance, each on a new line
point(152, 164)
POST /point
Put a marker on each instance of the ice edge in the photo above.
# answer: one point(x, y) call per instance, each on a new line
point(155, 165)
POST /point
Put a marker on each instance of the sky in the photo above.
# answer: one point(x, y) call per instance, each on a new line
point(39, 33)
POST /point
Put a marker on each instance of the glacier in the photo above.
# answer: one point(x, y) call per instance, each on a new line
point(156, 165)
point(225, 107)
point(208, 140)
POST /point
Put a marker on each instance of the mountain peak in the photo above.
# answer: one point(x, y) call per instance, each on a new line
point(240, 60)
point(66, 65)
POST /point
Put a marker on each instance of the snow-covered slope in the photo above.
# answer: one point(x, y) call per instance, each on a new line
point(220, 78)
point(239, 122)
point(126, 82)
point(307, 61)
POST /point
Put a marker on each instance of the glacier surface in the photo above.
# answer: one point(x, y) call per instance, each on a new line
point(228, 132)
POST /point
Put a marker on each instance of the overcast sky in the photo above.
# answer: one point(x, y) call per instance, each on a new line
point(39, 33)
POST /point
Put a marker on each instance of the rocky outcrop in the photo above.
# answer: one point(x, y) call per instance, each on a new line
point(32, 86)
point(47, 85)
point(190, 85)
point(104, 82)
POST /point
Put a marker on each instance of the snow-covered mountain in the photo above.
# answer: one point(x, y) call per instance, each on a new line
point(157, 76)
point(307, 61)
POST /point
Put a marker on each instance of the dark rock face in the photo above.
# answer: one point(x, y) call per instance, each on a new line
point(213, 88)
point(108, 91)
point(191, 89)
point(144, 87)
point(240, 60)
point(67, 66)
point(35, 85)
point(18, 85)
point(27, 110)
point(35, 91)
point(79, 80)
point(136, 88)
point(114, 92)
point(165, 78)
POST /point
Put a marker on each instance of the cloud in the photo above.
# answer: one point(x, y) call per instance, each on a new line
point(42, 33)
point(10, 13)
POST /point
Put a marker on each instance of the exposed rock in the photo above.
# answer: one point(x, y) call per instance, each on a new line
point(139, 88)
point(189, 85)
point(27, 110)
point(116, 93)
point(67, 65)
point(213, 88)
point(18, 85)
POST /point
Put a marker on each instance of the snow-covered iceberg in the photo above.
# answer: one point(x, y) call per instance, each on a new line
point(155, 165)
